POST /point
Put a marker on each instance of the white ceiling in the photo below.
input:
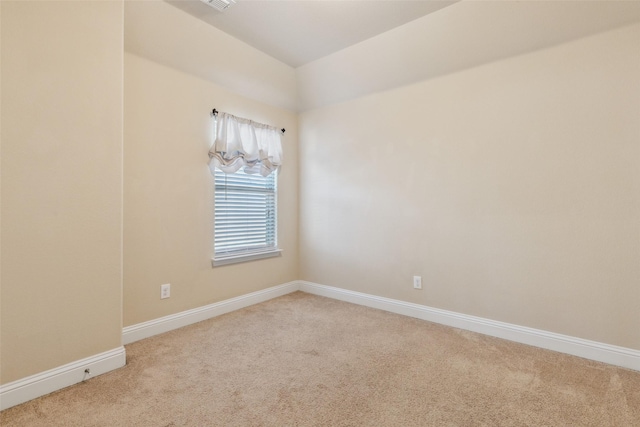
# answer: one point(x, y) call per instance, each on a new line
point(298, 32)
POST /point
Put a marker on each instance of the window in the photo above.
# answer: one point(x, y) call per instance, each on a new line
point(244, 159)
point(245, 217)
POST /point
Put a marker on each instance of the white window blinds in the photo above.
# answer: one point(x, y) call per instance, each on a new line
point(245, 213)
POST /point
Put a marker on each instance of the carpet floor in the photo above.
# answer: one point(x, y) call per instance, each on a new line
point(304, 360)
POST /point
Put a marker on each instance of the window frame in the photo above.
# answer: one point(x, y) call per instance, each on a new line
point(247, 253)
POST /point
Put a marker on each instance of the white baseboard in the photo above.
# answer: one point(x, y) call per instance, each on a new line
point(174, 321)
point(611, 354)
point(25, 389)
point(606, 353)
point(20, 391)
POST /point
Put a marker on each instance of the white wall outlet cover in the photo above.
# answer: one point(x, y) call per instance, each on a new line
point(165, 291)
point(417, 282)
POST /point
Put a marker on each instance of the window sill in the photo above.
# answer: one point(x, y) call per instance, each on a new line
point(249, 256)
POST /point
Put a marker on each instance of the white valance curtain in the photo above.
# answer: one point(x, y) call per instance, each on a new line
point(242, 143)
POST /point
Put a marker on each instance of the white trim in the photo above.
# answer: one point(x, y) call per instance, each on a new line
point(34, 386)
point(22, 390)
point(611, 354)
point(593, 350)
point(174, 321)
point(244, 257)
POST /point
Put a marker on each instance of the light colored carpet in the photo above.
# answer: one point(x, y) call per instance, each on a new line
point(303, 360)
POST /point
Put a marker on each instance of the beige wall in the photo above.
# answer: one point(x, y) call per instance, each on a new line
point(512, 188)
point(62, 186)
point(61, 183)
point(168, 194)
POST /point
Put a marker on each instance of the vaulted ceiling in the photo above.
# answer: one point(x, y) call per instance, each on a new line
point(298, 32)
point(309, 53)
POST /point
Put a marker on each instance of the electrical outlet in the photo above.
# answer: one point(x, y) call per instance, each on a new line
point(165, 291)
point(417, 282)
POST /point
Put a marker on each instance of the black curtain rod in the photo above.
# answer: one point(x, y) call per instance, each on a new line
point(215, 113)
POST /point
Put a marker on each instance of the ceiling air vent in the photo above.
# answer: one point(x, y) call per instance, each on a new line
point(220, 5)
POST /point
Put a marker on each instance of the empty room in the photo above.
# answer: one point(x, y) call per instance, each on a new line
point(319, 213)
